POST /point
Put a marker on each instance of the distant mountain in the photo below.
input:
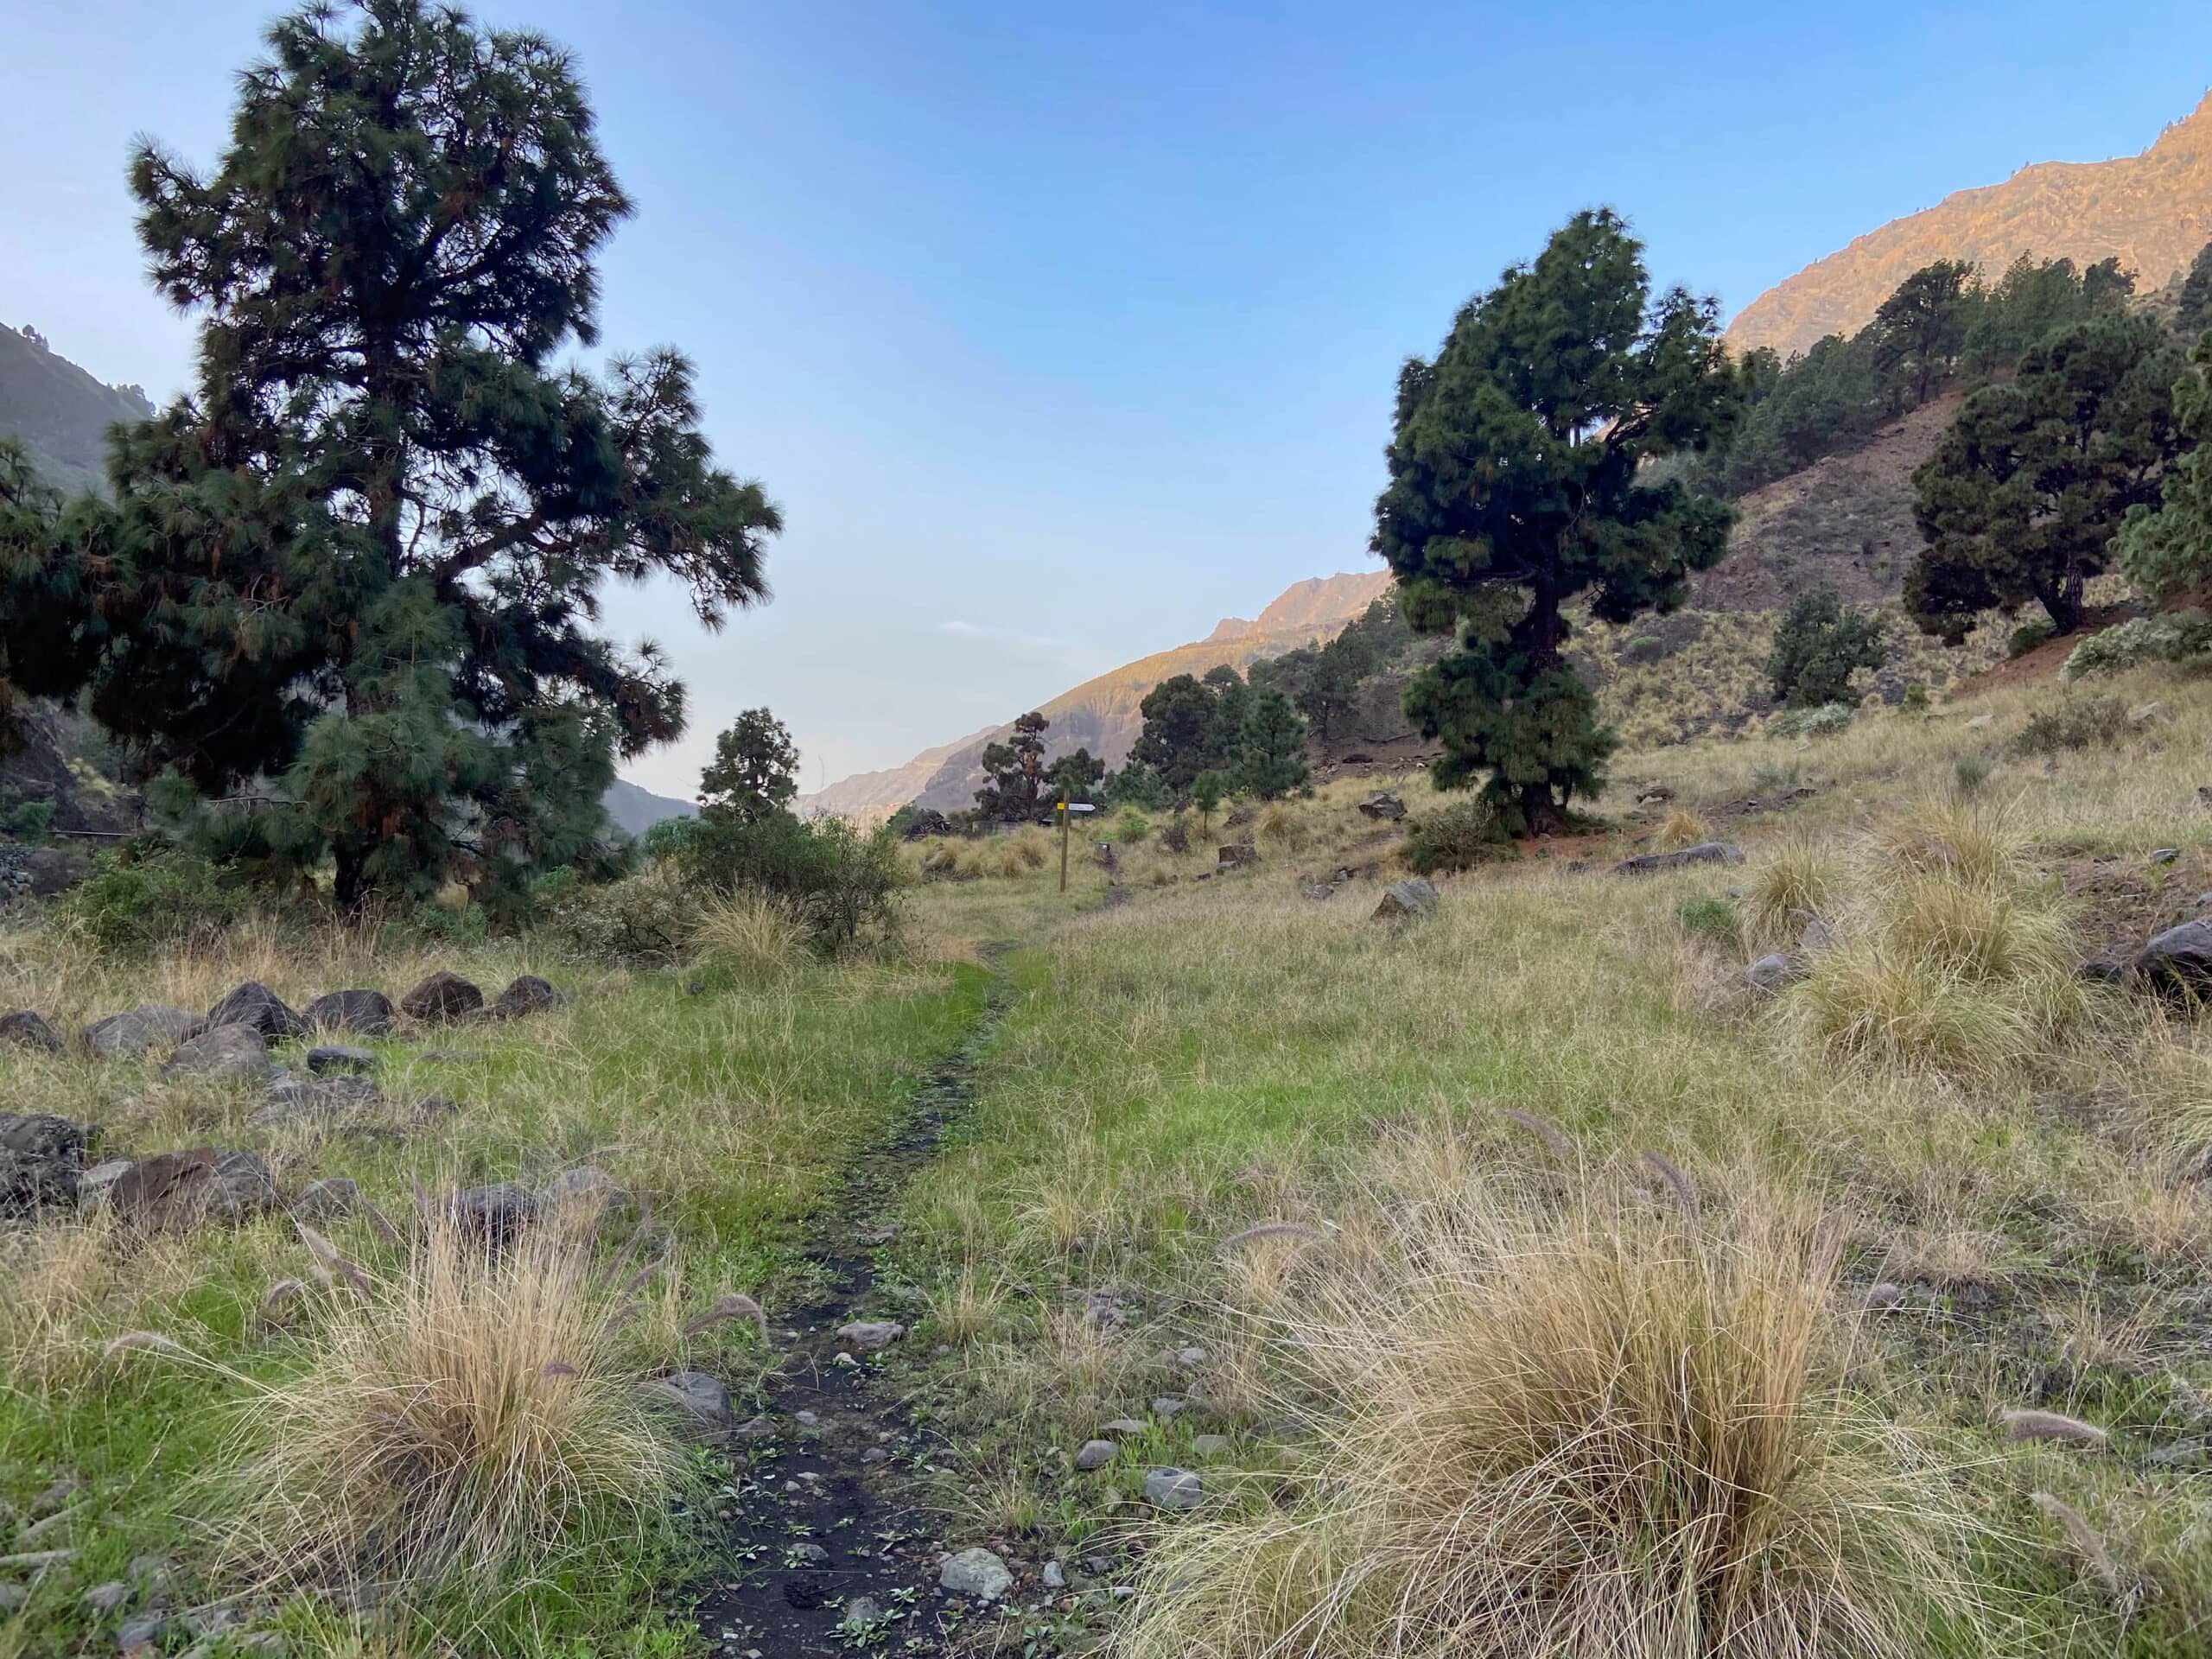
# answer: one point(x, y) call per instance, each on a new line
point(1102, 715)
point(637, 810)
point(2153, 213)
point(59, 412)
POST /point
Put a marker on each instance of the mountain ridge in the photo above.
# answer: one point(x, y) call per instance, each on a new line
point(2152, 211)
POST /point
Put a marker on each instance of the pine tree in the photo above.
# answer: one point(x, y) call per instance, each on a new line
point(755, 772)
point(1517, 485)
point(1921, 327)
point(2193, 315)
point(1016, 770)
point(363, 560)
point(1271, 748)
point(1178, 738)
point(1819, 645)
point(2022, 498)
point(2165, 551)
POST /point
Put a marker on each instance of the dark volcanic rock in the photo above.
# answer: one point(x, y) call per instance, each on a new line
point(364, 1013)
point(27, 1029)
point(1236, 855)
point(173, 1190)
point(123, 1036)
point(494, 1213)
point(2177, 960)
point(527, 995)
point(41, 1157)
point(442, 999)
point(1407, 900)
point(1709, 852)
point(222, 1052)
point(254, 1004)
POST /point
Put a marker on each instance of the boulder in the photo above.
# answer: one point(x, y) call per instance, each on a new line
point(1094, 1454)
point(494, 1212)
point(1383, 805)
point(2147, 714)
point(1407, 900)
point(1173, 1489)
point(1816, 938)
point(1236, 856)
point(26, 1030)
point(41, 1156)
point(96, 1183)
point(1707, 852)
point(254, 1004)
point(364, 1013)
point(975, 1571)
point(223, 1053)
point(174, 1190)
point(331, 1199)
point(322, 1102)
point(442, 999)
point(872, 1333)
point(124, 1036)
point(1772, 973)
point(1211, 1446)
point(703, 1400)
point(2178, 960)
point(324, 1058)
point(527, 995)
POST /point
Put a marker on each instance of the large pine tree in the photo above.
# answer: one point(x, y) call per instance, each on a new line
point(356, 574)
point(1519, 483)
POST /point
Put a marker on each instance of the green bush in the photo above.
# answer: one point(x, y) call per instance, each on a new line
point(1713, 918)
point(1132, 828)
point(135, 903)
point(2029, 634)
point(2073, 724)
point(1915, 700)
point(643, 920)
point(29, 820)
point(1824, 722)
point(666, 837)
point(837, 879)
point(2171, 637)
point(1819, 645)
point(1457, 838)
point(1970, 773)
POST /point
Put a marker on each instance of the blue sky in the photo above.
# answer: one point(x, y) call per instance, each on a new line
point(1061, 331)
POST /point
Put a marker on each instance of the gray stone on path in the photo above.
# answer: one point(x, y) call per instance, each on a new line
point(872, 1333)
point(331, 1102)
point(1172, 1489)
point(96, 1183)
point(151, 1025)
point(703, 1398)
point(223, 1053)
point(1056, 1577)
point(1096, 1454)
point(975, 1571)
point(863, 1609)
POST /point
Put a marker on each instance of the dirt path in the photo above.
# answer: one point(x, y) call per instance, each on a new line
point(824, 1531)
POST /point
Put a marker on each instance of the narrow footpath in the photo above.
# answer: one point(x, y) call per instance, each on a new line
point(827, 1554)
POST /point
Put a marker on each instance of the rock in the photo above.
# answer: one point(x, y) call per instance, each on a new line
point(872, 1333)
point(807, 1418)
point(254, 1004)
point(12, 1595)
point(494, 1212)
point(364, 1013)
point(49, 872)
point(1055, 1576)
point(94, 1186)
point(1707, 852)
point(142, 1631)
point(174, 1190)
point(863, 1610)
point(1880, 1298)
point(1168, 1410)
point(1122, 1427)
point(25, 1029)
point(324, 1058)
point(2106, 970)
point(103, 1601)
point(2166, 856)
point(811, 1554)
point(442, 999)
point(1816, 938)
point(41, 1156)
point(1172, 1489)
point(1981, 722)
point(527, 995)
point(1406, 900)
point(2178, 960)
point(1236, 856)
point(1211, 1446)
point(755, 1428)
point(332, 1199)
point(1096, 1454)
point(703, 1399)
point(1383, 806)
point(875, 1454)
point(225, 1053)
point(1772, 973)
point(586, 1195)
point(2146, 714)
point(1190, 1358)
point(122, 1036)
point(320, 1103)
point(975, 1571)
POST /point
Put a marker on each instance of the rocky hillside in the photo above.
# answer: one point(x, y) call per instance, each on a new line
point(1102, 715)
point(59, 412)
point(2151, 211)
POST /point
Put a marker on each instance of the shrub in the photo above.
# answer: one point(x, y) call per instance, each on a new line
point(1826, 721)
point(1459, 837)
point(1711, 918)
point(1131, 828)
point(752, 935)
point(1794, 883)
point(1915, 699)
point(1970, 773)
point(1683, 828)
point(667, 837)
point(642, 920)
point(1817, 648)
point(2029, 634)
point(1595, 1434)
point(135, 903)
point(464, 1421)
point(2170, 637)
point(2072, 723)
point(1176, 837)
point(27, 821)
point(836, 878)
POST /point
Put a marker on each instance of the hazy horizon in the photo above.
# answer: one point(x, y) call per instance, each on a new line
point(1060, 338)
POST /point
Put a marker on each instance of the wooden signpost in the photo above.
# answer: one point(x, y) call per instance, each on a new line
point(1067, 816)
